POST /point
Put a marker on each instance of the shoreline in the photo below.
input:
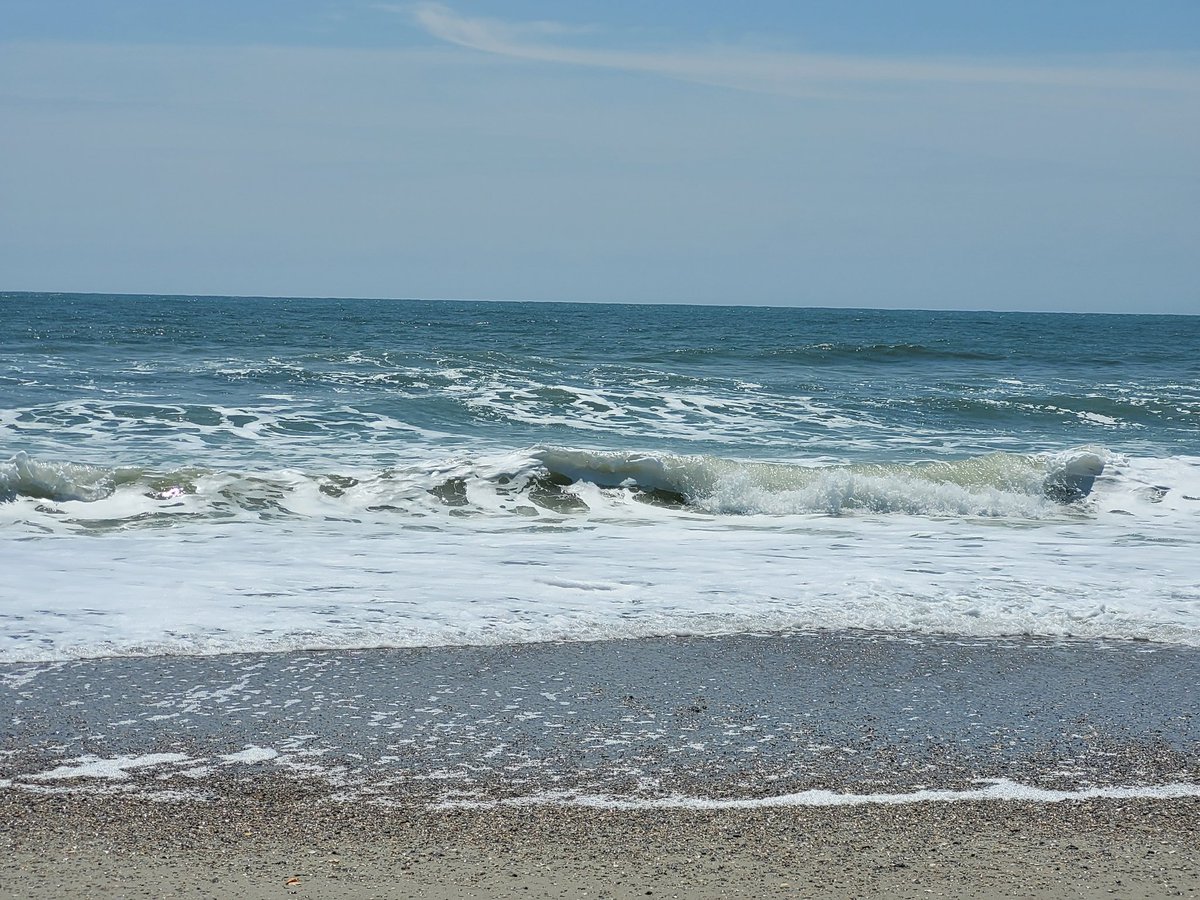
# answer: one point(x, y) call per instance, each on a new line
point(457, 772)
point(723, 718)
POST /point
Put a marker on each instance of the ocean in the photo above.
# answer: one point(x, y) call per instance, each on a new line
point(205, 475)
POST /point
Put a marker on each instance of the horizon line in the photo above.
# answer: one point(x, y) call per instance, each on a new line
point(5, 294)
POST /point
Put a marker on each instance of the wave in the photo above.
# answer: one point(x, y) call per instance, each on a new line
point(882, 353)
point(23, 476)
point(998, 484)
point(565, 482)
point(553, 543)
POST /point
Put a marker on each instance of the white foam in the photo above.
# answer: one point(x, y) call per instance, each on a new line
point(650, 405)
point(1002, 790)
point(18, 679)
point(250, 756)
point(116, 768)
point(321, 571)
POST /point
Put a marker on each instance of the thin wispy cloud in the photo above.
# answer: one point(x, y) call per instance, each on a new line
point(785, 73)
point(449, 155)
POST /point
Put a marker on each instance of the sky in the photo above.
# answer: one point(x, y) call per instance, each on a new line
point(921, 154)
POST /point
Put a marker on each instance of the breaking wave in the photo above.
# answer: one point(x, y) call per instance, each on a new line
point(999, 484)
point(563, 482)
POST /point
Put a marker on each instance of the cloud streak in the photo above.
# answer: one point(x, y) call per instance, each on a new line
point(784, 73)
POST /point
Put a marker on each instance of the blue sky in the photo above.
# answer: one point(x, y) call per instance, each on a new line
point(922, 154)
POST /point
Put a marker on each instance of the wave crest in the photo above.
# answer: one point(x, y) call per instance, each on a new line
point(999, 484)
point(24, 476)
point(562, 482)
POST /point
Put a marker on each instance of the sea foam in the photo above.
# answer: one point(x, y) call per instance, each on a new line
point(1121, 567)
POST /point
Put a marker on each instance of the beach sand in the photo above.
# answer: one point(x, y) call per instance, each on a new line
point(484, 771)
point(113, 847)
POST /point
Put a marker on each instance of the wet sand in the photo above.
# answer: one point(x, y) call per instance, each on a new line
point(448, 772)
point(741, 716)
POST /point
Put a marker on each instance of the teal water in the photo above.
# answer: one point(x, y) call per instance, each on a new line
point(138, 435)
point(168, 381)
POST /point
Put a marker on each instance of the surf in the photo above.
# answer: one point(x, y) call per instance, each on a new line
point(561, 482)
point(998, 484)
